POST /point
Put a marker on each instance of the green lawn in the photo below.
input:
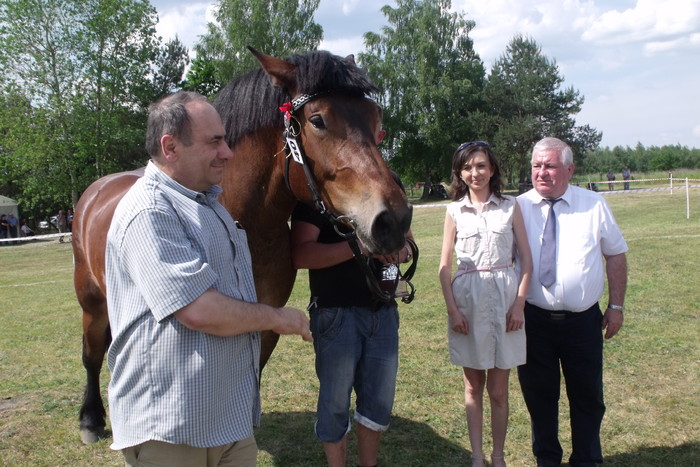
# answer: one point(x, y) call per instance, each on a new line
point(651, 372)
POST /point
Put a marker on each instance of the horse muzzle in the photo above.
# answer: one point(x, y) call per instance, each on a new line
point(388, 231)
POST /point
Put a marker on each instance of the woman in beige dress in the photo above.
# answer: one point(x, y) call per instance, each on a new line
point(486, 297)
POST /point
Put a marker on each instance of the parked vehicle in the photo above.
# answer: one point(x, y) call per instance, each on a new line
point(437, 190)
point(52, 223)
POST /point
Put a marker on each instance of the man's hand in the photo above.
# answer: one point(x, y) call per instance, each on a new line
point(293, 321)
point(612, 322)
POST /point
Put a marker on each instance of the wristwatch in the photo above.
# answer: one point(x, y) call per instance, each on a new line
point(616, 307)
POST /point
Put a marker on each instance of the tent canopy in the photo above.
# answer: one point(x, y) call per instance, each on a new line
point(8, 206)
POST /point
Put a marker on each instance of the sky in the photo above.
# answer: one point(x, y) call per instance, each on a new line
point(635, 62)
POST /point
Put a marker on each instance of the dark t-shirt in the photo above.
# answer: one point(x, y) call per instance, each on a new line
point(341, 285)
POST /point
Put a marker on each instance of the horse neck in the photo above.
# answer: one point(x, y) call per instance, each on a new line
point(254, 188)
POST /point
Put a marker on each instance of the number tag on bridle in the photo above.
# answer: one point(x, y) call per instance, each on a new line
point(294, 149)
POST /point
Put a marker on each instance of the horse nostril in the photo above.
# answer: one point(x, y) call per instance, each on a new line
point(389, 229)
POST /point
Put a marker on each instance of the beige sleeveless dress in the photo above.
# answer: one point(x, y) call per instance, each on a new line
point(485, 285)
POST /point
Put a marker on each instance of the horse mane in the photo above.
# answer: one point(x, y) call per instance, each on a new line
point(251, 101)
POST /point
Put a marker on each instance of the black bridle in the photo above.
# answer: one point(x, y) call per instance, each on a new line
point(343, 225)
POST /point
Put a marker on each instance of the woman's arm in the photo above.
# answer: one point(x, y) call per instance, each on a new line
point(457, 321)
point(515, 318)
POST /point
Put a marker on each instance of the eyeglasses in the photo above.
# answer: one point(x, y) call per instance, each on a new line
point(473, 143)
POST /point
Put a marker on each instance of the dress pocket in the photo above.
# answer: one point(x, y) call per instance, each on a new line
point(468, 242)
point(502, 238)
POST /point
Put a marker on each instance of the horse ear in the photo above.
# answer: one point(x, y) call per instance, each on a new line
point(283, 73)
point(350, 59)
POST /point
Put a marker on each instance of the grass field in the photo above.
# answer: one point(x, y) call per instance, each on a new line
point(652, 367)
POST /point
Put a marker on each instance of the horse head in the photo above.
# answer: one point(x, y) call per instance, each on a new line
point(328, 114)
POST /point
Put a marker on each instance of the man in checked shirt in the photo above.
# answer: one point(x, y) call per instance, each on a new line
point(182, 303)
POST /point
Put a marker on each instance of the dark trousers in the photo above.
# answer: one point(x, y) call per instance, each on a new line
point(574, 343)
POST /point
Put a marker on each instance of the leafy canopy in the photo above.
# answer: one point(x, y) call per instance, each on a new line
point(275, 27)
point(431, 78)
point(525, 102)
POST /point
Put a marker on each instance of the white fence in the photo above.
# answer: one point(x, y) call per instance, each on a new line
point(674, 183)
point(62, 237)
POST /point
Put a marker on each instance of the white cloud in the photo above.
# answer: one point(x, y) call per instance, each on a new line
point(186, 20)
point(551, 23)
point(649, 20)
point(349, 6)
point(344, 46)
point(636, 62)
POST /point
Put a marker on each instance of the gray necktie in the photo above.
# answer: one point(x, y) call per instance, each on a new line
point(548, 253)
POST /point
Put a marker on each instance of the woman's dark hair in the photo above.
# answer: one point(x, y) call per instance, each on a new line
point(458, 188)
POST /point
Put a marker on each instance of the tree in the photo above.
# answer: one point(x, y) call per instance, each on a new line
point(201, 77)
point(24, 165)
point(84, 70)
point(170, 68)
point(119, 49)
point(525, 103)
point(275, 27)
point(431, 79)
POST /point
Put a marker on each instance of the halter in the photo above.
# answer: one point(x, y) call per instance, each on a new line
point(294, 150)
point(343, 225)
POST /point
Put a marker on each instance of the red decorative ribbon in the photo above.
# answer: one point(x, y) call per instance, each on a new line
point(287, 109)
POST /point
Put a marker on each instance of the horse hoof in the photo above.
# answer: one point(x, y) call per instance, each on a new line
point(90, 436)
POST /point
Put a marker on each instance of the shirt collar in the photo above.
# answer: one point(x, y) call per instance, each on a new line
point(155, 173)
point(466, 202)
point(566, 197)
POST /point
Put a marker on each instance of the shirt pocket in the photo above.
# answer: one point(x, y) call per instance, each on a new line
point(468, 242)
point(502, 240)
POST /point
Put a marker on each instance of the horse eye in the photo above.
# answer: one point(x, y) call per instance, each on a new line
point(317, 122)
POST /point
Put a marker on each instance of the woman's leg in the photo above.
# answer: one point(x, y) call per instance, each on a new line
point(474, 381)
point(497, 387)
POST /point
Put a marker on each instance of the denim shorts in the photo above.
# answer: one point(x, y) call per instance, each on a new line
point(358, 348)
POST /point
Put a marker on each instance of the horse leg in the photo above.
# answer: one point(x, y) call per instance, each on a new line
point(96, 339)
point(268, 342)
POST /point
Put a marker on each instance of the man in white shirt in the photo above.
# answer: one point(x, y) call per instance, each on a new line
point(563, 320)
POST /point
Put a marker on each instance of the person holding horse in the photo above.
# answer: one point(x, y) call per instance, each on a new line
point(185, 324)
point(576, 243)
point(486, 297)
point(355, 337)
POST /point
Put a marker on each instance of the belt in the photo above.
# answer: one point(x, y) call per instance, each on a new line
point(559, 315)
point(463, 269)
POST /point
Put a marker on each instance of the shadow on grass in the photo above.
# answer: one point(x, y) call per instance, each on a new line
point(290, 440)
point(687, 454)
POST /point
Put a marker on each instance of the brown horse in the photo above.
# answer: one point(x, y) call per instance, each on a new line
point(334, 124)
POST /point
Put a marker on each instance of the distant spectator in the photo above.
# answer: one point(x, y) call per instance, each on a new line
point(611, 178)
point(4, 227)
point(61, 224)
point(69, 220)
point(26, 230)
point(12, 229)
point(626, 175)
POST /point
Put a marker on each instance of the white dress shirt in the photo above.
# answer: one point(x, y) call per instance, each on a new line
point(586, 231)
